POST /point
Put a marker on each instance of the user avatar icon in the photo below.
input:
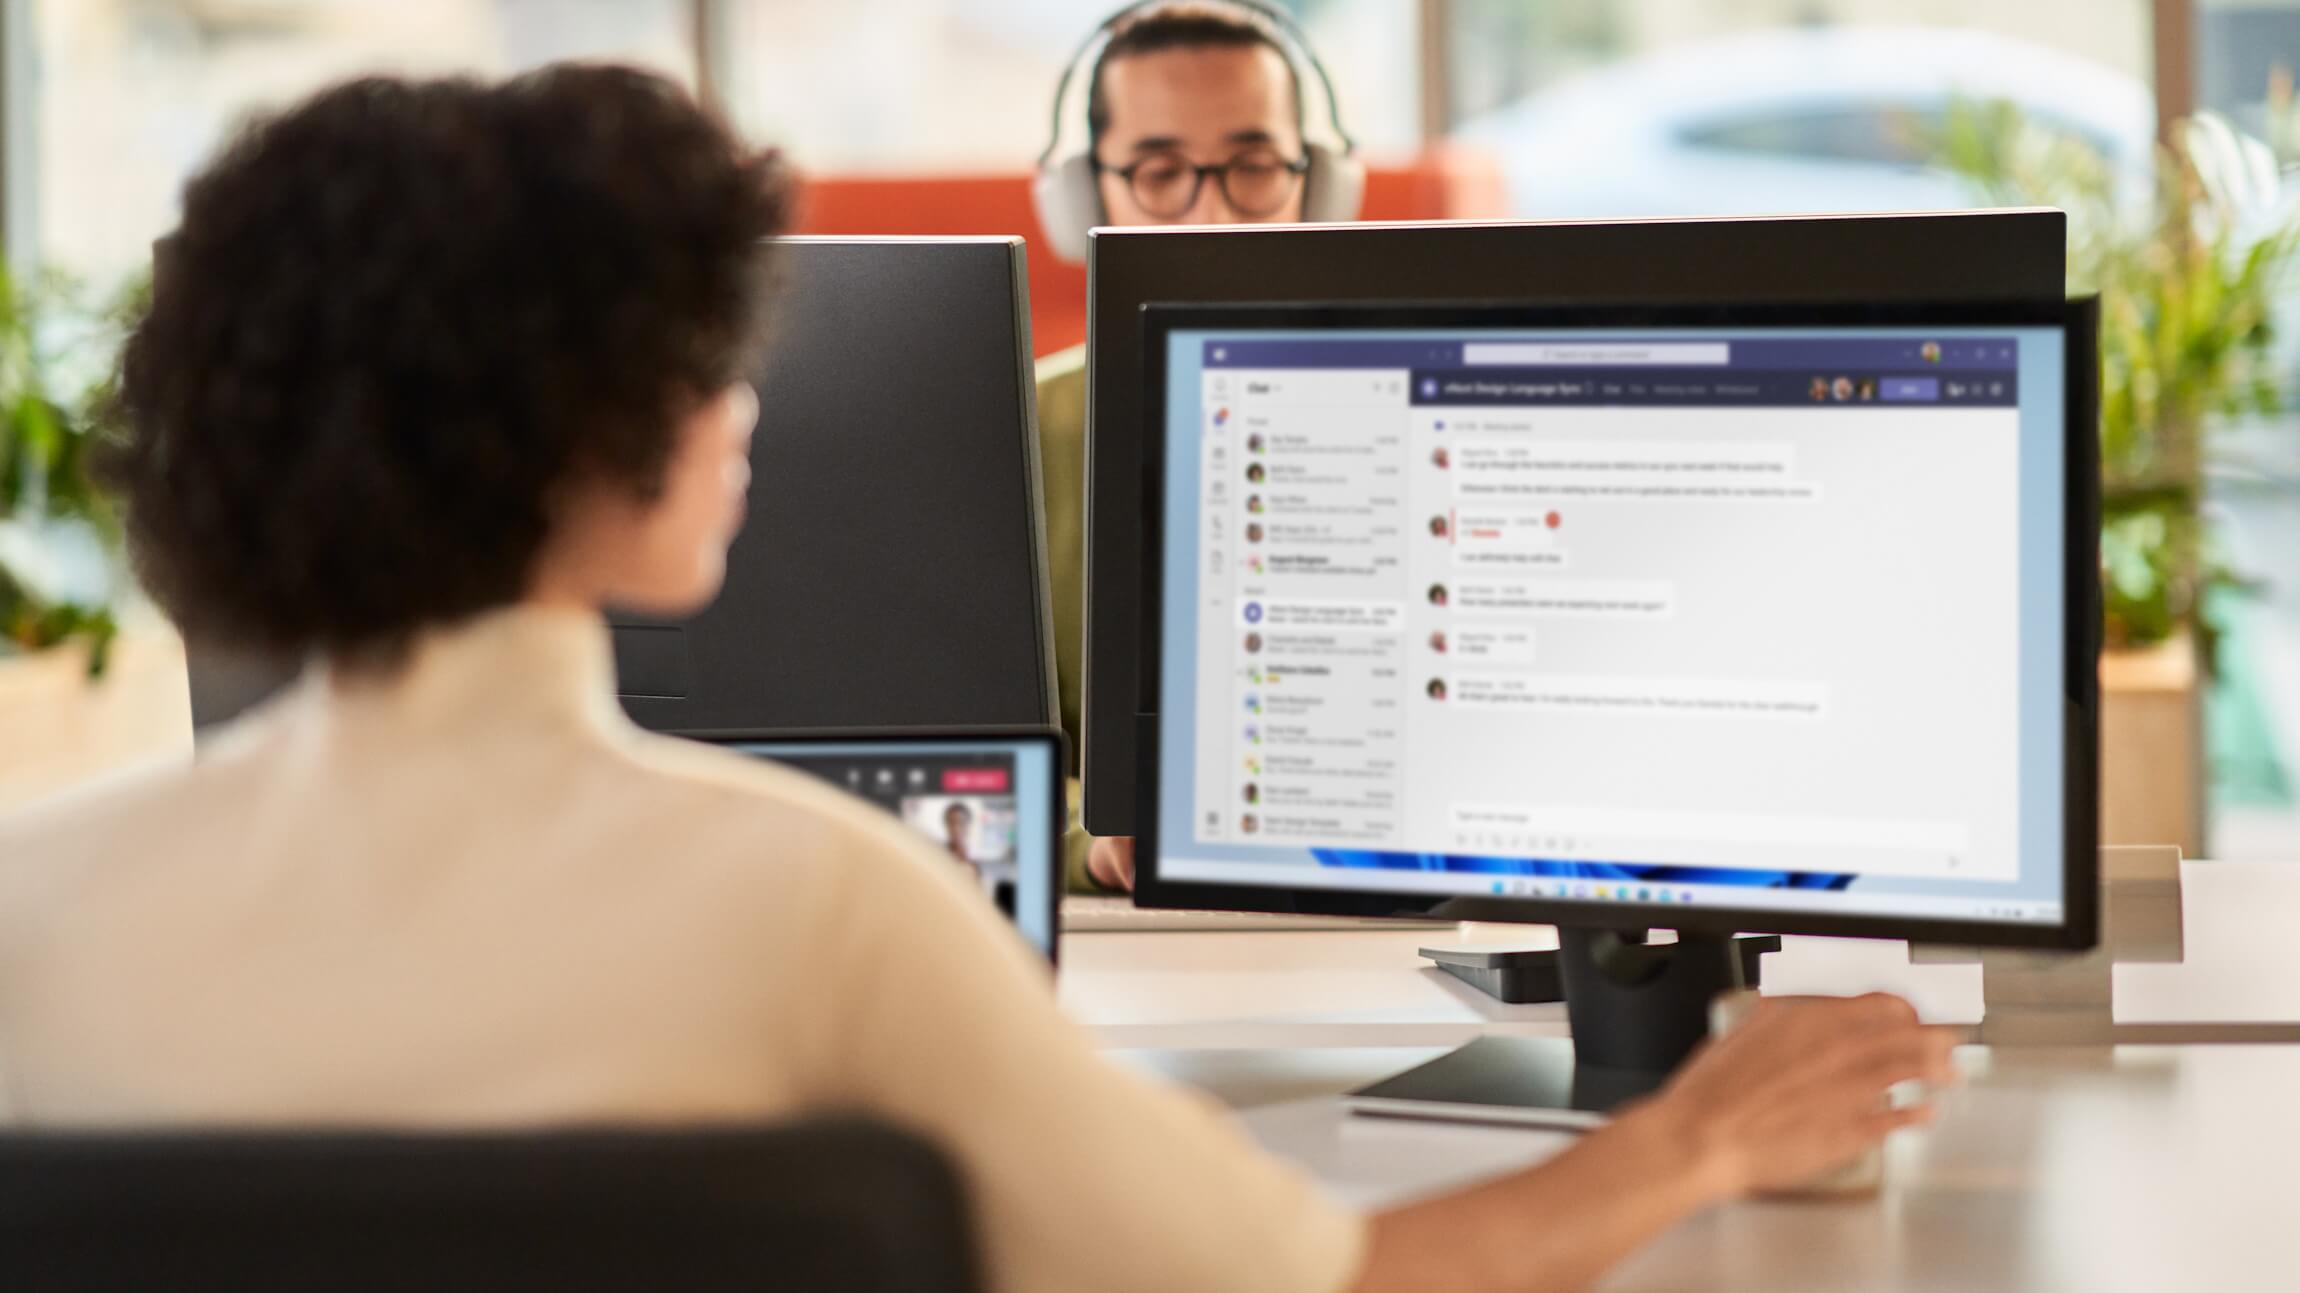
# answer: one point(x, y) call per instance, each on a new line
point(1438, 527)
point(1819, 390)
point(1253, 644)
point(1437, 642)
point(1437, 595)
point(1440, 459)
point(1253, 793)
point(1255, 474)
point(1248, 824)
point(1437, 689)
point(1253, 531)
point(1254, 504)
point(1842, 389)
point(1253, 612)
point(1254, 443)
point(1931, 351)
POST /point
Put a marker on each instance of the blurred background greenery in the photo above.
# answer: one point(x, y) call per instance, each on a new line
point(61, 571)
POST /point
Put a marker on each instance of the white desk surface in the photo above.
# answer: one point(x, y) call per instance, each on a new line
point(2096, 1170)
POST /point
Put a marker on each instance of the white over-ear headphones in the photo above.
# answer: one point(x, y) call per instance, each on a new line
point(1067, 192)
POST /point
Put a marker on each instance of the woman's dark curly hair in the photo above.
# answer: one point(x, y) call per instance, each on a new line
point(399, 320)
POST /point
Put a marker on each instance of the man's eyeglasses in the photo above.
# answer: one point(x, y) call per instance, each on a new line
point(1166, 185)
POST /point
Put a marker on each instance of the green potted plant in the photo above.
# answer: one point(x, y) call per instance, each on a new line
point(2190, 266)
point(61, 573)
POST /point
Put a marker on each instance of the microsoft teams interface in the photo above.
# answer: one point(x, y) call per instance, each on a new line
point(989, 805)
point(1759, 618)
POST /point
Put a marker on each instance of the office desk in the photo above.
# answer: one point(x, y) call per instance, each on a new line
point(2151, 1168)
point(2143, 1169)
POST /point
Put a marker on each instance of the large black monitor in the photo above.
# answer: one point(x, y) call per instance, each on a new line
point(1706, 618)
point(1979, 256)
point(891, 572)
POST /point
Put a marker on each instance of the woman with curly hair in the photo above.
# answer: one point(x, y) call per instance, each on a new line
point(432, 373)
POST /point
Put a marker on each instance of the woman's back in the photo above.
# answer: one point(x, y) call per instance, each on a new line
point(469, 894)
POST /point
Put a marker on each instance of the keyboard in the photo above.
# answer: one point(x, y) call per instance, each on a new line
point(1115, 915)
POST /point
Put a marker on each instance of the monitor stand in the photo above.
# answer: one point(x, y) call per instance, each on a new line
point(1521, 976)
point(1637, 1009)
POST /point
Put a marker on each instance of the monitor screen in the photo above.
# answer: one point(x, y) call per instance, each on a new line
point(993, 803)
point(1758, 618)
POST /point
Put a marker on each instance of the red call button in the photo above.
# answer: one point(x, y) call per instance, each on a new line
point(974, 781)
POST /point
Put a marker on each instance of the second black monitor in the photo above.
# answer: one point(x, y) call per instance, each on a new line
point(891, 573)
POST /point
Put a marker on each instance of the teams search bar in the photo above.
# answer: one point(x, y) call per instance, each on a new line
point(1535, 354)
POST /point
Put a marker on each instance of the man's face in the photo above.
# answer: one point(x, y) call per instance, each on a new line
point(1205, 107)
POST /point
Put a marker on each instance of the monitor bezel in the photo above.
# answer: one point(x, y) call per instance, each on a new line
point(1057, 750)
point(2079, 924)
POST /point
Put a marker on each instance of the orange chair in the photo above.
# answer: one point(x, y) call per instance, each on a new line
point(1440, 184)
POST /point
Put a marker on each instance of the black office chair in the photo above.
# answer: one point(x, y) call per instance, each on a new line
point(836, 1205)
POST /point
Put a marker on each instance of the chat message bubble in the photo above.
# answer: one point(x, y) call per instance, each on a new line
point(1630, 471)
point(1524, 563)
point(1319, 616)
point(1508, 539)
point(1525, 693)
point(1567, 598)
point(1679, 492)
point(1514, 529)
point(1492, 646)
point(1614, 460)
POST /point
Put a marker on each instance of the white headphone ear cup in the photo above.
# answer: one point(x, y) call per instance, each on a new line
point(1336, 186)
point(1069, 205)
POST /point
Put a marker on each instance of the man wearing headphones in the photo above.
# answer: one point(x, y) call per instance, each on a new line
point(1194, 115)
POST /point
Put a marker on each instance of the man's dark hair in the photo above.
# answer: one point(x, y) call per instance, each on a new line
point(1184, 24)
point(398, 323)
